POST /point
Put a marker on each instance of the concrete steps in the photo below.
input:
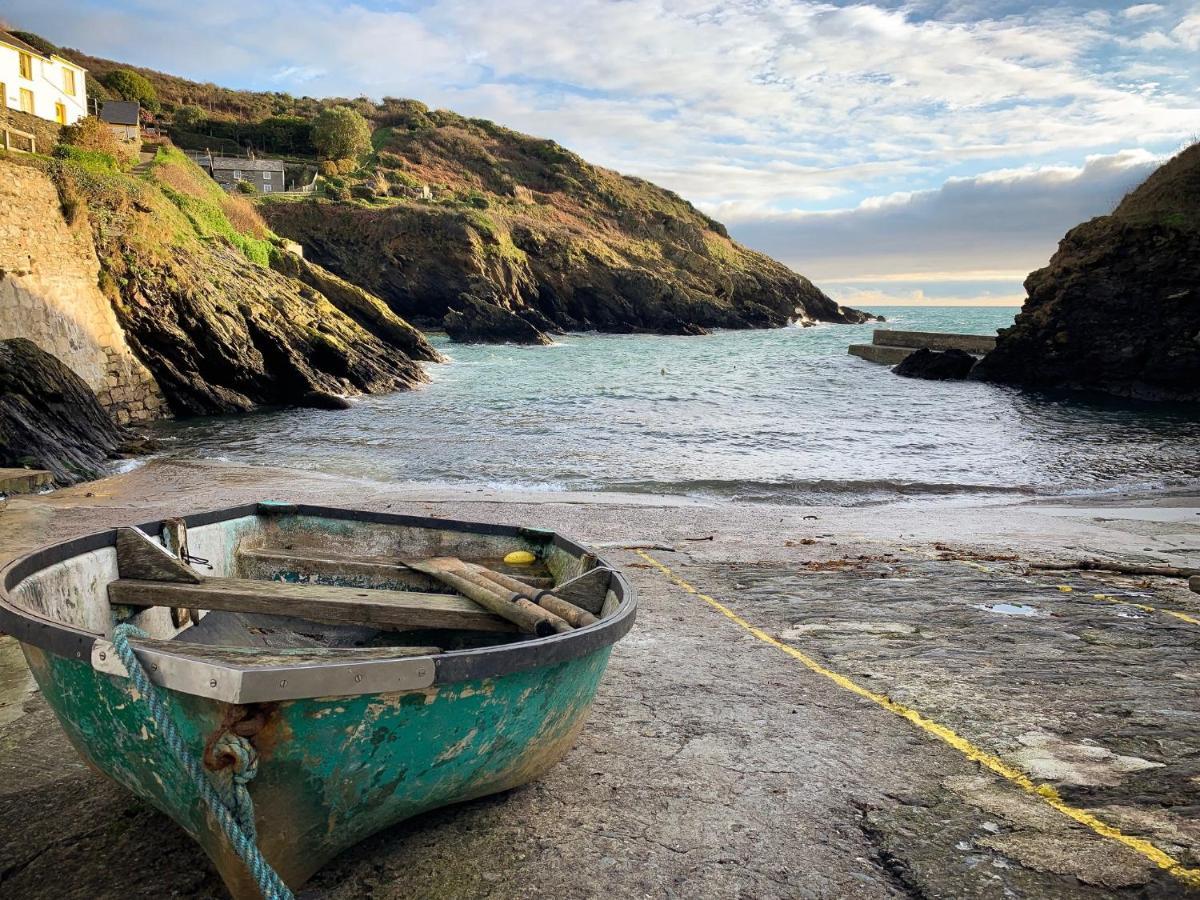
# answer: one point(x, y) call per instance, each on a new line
point(891, 347)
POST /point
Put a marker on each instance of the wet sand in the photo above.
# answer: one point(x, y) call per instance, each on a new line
point(725, 762)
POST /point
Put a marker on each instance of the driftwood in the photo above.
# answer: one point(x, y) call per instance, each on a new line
point(1102, 565)
point(527, 616)
point(392, 610)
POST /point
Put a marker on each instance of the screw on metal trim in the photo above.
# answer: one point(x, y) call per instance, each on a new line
point(283, 683)
point(420, 672)
point(212, 682)
point(103, 656)
point(153, 667)
point(358, 678)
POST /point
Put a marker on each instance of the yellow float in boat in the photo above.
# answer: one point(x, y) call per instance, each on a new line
point(520, 558)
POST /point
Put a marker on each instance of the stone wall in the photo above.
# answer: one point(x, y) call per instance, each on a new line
point(49, 293)
point(44, 131)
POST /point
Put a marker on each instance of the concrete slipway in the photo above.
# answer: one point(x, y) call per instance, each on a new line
point(871, 702)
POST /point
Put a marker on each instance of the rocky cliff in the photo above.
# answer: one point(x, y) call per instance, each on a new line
point(212, 306)
point(50, 419)
point(1118, 307)
point(528, 227)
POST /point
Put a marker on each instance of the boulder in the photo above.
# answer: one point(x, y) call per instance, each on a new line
point(50, 419)
point(936, 365)
point(1118, 308)
point(479, 322)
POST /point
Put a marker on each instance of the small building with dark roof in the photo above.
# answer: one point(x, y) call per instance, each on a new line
point(266, 175)
point(123, 118)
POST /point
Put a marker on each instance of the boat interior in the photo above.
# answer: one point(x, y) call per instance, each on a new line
point(277, 582)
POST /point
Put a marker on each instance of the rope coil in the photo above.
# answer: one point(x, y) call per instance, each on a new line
point(234, 814)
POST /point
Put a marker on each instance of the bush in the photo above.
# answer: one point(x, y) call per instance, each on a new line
point(329, 168)
point(346, 166)
point(130, 85)
point(247, 187)
point(189, 118)
point(337, 192)
point(89, 133)
point(340, 133)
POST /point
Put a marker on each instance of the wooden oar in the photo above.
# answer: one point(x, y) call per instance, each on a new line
point(519, 610)
point(545, 599)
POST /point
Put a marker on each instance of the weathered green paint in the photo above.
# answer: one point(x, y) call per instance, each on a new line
point(332, 770)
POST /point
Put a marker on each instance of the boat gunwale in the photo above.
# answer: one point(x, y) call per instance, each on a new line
point(193, 676)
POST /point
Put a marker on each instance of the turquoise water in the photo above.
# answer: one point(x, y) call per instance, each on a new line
point(783, 415)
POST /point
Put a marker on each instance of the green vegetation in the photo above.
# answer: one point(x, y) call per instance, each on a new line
point(341, 133)
point(130, 85)
point(212, 213)
point(90, 134)
point(189, 117)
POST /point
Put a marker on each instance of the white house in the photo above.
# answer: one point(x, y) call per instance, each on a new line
point(48, 87)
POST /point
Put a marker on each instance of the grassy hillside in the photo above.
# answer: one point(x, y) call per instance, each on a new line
point(224, 318)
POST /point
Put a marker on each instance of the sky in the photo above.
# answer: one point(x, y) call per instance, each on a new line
point(910, 152)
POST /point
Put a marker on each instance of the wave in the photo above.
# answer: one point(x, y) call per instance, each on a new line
point(794, 490)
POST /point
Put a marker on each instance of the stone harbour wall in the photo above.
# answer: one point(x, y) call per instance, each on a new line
point(50, 294)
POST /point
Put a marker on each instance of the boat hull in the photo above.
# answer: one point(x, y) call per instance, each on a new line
point(332, 771)
point(351, 736)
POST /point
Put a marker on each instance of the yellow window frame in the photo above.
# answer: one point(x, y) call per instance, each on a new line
point(25, 64)
point(69, 81)
point(27, 101)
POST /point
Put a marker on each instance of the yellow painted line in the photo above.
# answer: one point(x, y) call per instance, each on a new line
point(1044, 792)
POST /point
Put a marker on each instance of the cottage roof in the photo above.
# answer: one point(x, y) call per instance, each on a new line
point(119, 112)
point(13, 41)
point(224, 163)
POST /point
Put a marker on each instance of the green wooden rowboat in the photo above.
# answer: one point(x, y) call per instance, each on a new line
point(361, 716)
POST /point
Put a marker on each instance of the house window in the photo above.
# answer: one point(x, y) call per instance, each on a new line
point(27, 101)
point(69, 82)
point(237, 174)
point(266, 189)
point(25, 63)
point(266, 176)
point(60, 113)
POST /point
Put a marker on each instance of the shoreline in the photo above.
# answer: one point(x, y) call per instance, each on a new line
point(174, 486)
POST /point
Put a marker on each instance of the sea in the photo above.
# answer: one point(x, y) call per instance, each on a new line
point(782, 415)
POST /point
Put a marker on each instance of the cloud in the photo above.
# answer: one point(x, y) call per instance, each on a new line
point(1142, 11)
point(1187, 32)
point(999, 223)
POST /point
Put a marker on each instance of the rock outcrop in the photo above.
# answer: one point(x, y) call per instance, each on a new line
point(223, 317)
point(936, 365)
point(50, 419)
point(1118, 308)
point(541, 234)
point(476, 321)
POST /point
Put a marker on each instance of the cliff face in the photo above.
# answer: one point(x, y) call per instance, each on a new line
point(188, 271)
point(524, 225)
point(50, 419)
point(1118, 307)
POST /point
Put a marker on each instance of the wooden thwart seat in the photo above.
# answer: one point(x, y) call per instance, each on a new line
point(391, 610)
